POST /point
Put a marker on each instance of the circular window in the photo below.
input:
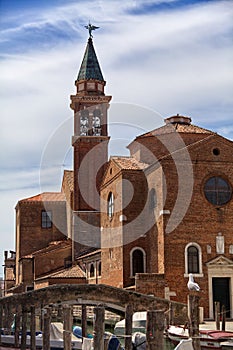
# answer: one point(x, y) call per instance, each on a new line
point(216, 151)
point(217, 190)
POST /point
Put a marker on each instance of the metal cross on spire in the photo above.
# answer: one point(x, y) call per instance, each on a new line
point(90, 28)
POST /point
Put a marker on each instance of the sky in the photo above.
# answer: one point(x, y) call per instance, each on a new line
point(159, 58)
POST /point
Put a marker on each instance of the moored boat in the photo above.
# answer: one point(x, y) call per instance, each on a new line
point(209, 339)
point(138, 324)
point(56, 339)
point(227, 345)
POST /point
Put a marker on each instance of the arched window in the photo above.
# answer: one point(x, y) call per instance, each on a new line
point(92, 271)
point(193, 259)
point(231, 249)
point(152, 199)
point(96, 122)
point(84, 122)
point(137, 261)
point(110, 205)
point(99, 269)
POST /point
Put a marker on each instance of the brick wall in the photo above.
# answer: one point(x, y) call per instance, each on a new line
point(51, 261)
point(202, 221)
point(166, 239)
point(90, 160)
point(86, 232)
point(53, 281)
point(150, 283)
point(32, 236)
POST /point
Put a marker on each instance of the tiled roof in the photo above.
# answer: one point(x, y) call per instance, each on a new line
point(69, 178)
point(45, 197)
point(177, 127)
point(90, 68)
point(74, 271)
point(15, 289)
point(54, 245)
point(129, 163)
point(71, 272)
point(90, 252)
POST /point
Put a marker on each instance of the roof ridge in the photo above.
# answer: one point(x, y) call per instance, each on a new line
point(53, 245)
point(111, 157)
point(175, 128)
point(64, 271)
point(39, 197)
point(136, 164)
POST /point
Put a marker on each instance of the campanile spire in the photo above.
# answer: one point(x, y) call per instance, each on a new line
point(90, 138)
point(90, 103)
point(90, 68)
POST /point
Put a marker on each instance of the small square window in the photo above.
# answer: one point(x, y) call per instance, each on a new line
point(29, 288)
point(68, 262)
point(46, 219)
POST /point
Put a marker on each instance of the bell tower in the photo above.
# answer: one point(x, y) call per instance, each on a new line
point(90, 139)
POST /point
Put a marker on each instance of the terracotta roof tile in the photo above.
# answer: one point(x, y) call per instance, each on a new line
point(177, 127)
point(129, 163)
point(45, 197)
point(71, 272)
point(74, 271)
point(54, 245)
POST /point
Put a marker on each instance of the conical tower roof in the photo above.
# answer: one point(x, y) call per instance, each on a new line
point(90, 68)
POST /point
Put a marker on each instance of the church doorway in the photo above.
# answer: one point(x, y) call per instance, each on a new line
point(221, 292)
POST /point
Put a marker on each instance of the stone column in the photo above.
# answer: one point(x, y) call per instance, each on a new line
point(67, 314)
point(155, 330)
point(128, 326)
point(99, 328)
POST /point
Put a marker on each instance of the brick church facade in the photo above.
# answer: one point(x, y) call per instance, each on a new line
point(142, 222)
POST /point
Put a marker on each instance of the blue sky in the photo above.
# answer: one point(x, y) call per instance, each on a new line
point(159, 58)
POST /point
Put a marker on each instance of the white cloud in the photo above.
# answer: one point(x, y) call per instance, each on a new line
point(171, 62)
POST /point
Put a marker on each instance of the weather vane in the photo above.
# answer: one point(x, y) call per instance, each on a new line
point(90, 28)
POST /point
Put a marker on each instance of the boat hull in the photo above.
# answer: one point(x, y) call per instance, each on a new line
point(55, 344)
point(208, 339)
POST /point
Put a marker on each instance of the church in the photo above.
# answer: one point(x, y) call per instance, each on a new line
point(142, 222)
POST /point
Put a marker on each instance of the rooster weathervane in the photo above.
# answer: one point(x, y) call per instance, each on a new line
point(90, 28)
